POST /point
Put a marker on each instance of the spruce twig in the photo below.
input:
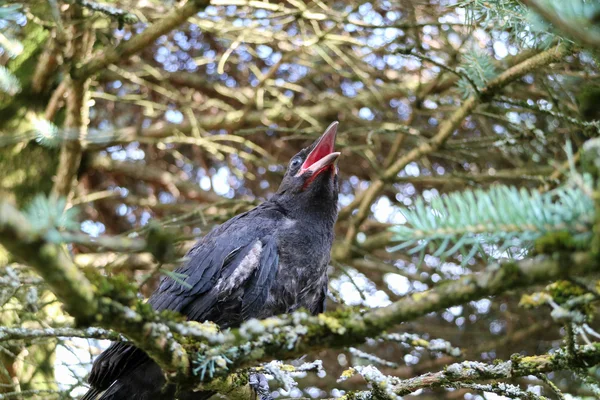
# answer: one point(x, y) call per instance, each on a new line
point(492, 222)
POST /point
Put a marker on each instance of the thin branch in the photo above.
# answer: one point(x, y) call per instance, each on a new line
point(80, 297)
point(147, 173)
point(29, 334)
point(322, 111)
point(19, 394)
point(111, 56)
point(570, 28)
point(447, 128)
point(279, 337)
point(541, 174)
point(469, 371)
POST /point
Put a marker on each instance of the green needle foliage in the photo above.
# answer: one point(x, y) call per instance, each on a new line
point(49, 214)
point(9, 83)
point(479, 67)
point(492, 223)
point(208, 364)
point(526, 27)
point(511, 15)
point(46, 133)
point(9, 12)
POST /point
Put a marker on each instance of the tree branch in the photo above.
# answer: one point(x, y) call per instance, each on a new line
point(71, 152)
point(50, 261)
point(333, 330)
point(572, 29)
point(80, 297)
point(139, 42)
point(147, 173)
point(77, 110)
point(447, 128)
point(279, 337)
point(114, 12)
point(29, 334)
point(470, 371)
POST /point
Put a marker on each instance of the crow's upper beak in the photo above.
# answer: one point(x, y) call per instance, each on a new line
point(322, 155)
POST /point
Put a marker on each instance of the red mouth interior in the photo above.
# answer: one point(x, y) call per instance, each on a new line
point(314, 176)
point(323, 148)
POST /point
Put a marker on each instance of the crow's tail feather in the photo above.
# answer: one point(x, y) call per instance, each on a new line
point(91, 394)
point(146, 382)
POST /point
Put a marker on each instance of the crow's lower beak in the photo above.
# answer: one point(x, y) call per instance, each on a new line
point(322, 155)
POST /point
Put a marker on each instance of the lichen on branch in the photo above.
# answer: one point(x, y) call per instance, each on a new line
point(170, 342)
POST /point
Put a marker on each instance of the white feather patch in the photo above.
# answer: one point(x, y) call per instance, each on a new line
point(247, 266)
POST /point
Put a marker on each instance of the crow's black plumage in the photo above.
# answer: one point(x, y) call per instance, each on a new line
point(270, 260)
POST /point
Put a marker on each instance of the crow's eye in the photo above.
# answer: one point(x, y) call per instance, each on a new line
point(295, 163)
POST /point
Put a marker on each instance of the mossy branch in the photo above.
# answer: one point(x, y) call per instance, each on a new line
point(9, 334)
point(255, 341)
point(296, 334)
point(80, 296)
point(123, 17)
point(470, 371)
point(50, 261)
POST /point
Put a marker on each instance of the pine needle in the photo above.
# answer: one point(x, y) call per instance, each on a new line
point(493, 223)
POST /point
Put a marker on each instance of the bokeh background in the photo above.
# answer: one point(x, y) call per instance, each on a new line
point(199, 125)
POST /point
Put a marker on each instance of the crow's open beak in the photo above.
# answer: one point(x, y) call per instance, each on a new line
point(322, 155)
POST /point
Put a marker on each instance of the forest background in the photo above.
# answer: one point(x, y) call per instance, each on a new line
point(467, 248)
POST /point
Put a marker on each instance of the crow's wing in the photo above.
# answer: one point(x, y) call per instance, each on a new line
point(259, 284)
point(243, 285)
point(235, 263)
point(221, 262)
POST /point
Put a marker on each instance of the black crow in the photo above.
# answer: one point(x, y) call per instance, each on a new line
point(267, 261)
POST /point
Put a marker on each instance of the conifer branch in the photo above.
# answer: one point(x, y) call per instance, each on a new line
point(571, 29)
point(447, 128)
point(81, 298)
point(470, 371)
point(279, 337)
point(7, 334)
point(173, 19)
point(501, 218)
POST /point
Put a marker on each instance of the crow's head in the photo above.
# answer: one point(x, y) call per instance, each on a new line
point(311, 175)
